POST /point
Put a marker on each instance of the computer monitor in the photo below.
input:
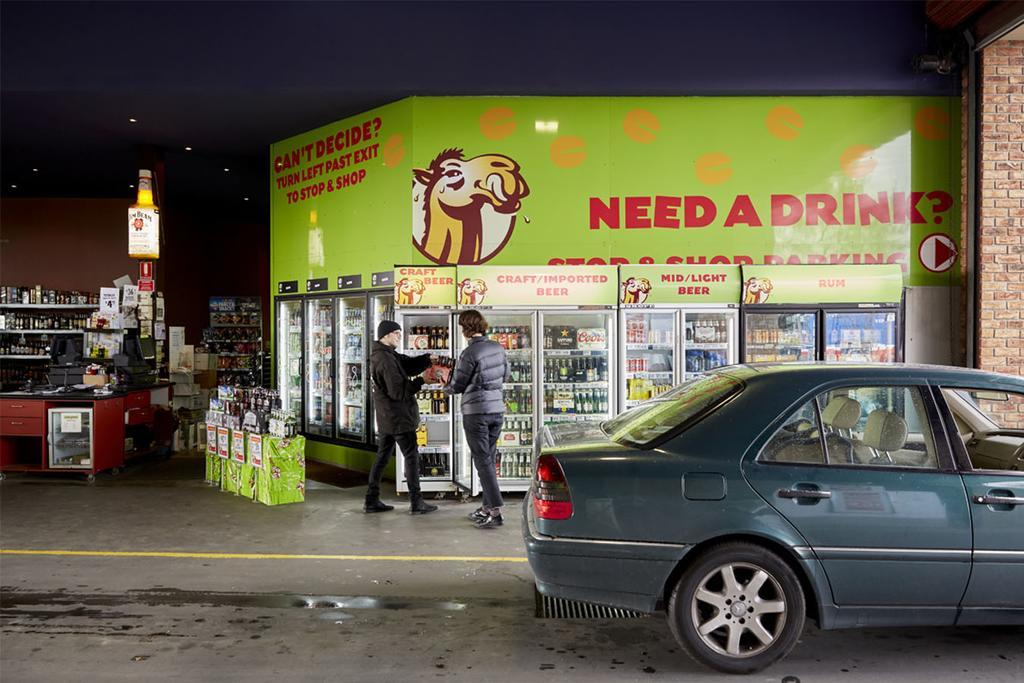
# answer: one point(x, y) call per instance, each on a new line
point(66, 350)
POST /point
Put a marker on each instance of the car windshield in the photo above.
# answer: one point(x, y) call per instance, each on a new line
point(646, 424)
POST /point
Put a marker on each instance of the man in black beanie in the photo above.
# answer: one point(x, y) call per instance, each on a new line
point(398, 415)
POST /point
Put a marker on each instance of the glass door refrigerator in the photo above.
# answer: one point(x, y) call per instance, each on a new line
point(429, 332)
point(288, 338)
point(676, 322)
point(516, 332)
point(383, 306)
point(834, 313)
point(70, 438)
point(319, 401)
point(577, 365)
point(650, 348)
point(352, 367)
point(710, 339)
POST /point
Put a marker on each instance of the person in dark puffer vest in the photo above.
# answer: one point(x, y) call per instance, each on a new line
point(479, 374)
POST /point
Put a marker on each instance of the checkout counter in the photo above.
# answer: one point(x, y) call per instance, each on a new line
point(70, 426)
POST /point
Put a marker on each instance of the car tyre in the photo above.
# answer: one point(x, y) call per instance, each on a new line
point(738, 608)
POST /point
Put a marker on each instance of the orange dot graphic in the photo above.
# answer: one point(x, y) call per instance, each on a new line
point(784, 123)
point(713, 168)
point(394, 150)
point(932, 123)
point(568, 151)
point(497, 123)
point(857, 161)
point(641, 126)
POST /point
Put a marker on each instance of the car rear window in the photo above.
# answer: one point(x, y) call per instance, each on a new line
point(672, 412)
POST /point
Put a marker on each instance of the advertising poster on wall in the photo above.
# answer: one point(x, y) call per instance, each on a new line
point(612, 181)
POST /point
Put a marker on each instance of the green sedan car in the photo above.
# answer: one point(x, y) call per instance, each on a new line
point(749, 500)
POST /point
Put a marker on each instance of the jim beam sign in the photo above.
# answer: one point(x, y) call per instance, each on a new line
point(144, 232)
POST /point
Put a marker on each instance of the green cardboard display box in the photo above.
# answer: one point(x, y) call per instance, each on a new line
point(282, 479)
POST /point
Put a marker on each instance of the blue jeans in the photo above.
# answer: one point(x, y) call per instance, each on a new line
point(482, 438)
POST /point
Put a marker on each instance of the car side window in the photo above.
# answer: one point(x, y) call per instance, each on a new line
point(878, 426)
point(991, 424)
point(798, 440)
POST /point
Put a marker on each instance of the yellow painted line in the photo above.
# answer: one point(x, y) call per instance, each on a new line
point(259, 556)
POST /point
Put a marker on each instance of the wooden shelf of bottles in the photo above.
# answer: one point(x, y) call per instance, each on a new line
point(59, 307)
point(41, 331)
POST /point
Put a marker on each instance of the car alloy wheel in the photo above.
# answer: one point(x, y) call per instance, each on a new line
point(739, 609)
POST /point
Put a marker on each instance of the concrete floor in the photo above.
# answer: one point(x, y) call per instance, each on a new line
point(202, 618)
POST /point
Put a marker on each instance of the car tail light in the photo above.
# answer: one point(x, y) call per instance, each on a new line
point(551, 499)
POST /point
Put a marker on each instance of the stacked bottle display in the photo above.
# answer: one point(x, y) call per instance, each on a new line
point(16, 320)
point(424, 337)
point(19, 375)
point(575, 370)
point(650, 355)
point(14, 346)
point(707, 342)
point(575, 401)
point(432, 402)
point(511, 338)
point(515, 446)
point(320, 364)
point(37, 296)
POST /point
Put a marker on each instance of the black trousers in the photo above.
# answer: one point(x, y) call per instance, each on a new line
point(385, 449)
point(482, 433)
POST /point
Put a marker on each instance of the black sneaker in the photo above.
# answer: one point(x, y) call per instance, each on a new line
point(421, 507)
point(477, 515)
point(490, 522)
point(376, 506)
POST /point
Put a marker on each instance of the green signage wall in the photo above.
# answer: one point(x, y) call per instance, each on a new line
point(510, 181)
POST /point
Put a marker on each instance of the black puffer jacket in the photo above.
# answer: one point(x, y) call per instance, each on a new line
point(478, 376)
point(394, 394)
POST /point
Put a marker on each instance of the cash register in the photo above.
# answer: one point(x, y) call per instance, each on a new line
point(137, 361)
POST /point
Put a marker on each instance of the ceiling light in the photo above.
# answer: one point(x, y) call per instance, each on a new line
point(132, 186)
point(35, 170)
point(245, 199)
point(187, 148)
point(14, 187)
point(131, 120)
point(226, 170)
point(545, 126)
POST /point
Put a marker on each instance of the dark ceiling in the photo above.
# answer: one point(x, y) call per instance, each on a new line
point(229, 78)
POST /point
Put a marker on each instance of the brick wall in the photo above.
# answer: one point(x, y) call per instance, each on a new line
point(1000, 341)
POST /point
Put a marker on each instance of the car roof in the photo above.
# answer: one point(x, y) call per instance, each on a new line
point(811, 373)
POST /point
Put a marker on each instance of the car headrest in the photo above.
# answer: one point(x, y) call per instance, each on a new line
point(885, 431)
point(842, 412)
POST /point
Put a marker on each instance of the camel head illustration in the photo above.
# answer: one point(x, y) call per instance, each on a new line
point(466, 208)
point(635, 290)
point(471, 292)
point(756, 290)
point(409, 291)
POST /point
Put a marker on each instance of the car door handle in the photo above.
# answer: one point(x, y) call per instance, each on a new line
point(998, 500)
point(804, 493)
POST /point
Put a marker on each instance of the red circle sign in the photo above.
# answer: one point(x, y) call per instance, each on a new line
point(938, 252)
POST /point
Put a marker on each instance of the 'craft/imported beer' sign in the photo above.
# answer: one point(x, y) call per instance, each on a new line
point(532, 287)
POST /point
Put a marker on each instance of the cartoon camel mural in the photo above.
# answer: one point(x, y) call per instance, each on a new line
point(635, 290)
point(471, 292)
point(409, 291)
point(468, 206)
point(756, 290)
